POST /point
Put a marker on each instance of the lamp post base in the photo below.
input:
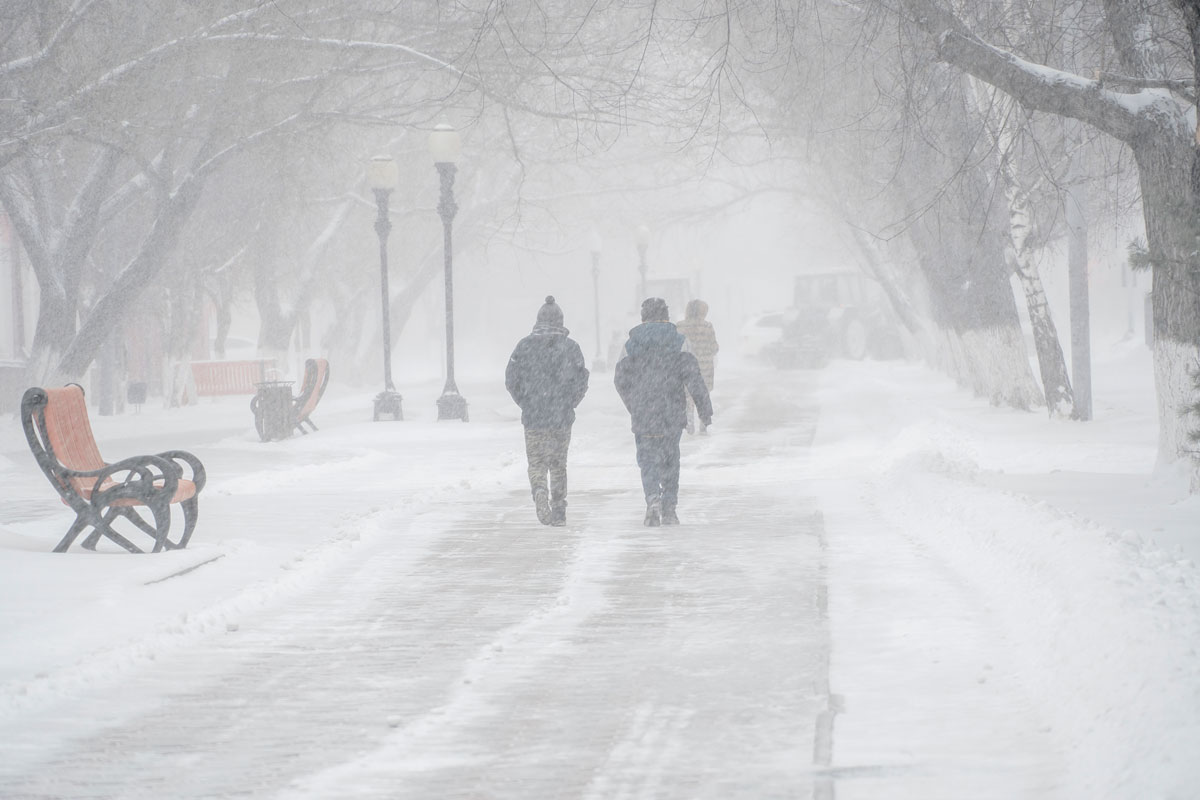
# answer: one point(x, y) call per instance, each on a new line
point(389, 402)
point(452, 405)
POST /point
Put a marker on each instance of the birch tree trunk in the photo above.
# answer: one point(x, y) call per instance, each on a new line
point(1077, 276)
point(1056, 383)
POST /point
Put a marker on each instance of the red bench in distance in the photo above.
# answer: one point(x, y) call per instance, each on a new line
point(218, 378)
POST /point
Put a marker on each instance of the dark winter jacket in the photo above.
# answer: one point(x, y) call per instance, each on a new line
point(547, 378)
point(652, 375)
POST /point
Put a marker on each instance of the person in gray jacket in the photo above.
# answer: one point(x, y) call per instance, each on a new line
point(654, 376)
point(547, 378)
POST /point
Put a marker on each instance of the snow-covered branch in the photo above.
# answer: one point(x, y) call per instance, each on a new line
point(1042, 88)
point(73, 19)
point(1121, 114)
point(1184, 88)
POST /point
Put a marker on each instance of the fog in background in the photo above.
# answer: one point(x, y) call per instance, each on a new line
point(920, 542)
point(171, 181)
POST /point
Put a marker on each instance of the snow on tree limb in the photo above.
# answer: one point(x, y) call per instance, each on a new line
point(1122, 115)
point(25, 63)
point(1042, 88)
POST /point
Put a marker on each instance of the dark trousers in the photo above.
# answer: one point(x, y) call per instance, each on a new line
point(546, 450)
point(658, 457)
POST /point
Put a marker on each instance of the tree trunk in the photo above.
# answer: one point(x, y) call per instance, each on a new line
point(224, 322)
point(1056, 385)
point(1002, 124)
point(1081, 323)
point(962, 256)
point(18, 295)
point(128, 286)
point(1168, 206)
point(52, 334)
point(900, 302)
point(972, 303)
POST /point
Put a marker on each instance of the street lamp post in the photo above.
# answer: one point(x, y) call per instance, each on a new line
point(444, 146)
point(641, 237)
point(383, 177)
point(595, 244)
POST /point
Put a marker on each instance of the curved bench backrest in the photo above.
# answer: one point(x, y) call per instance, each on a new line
point(316, 378)
point(63, 432)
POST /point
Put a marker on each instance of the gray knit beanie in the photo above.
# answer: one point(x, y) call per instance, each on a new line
point(550, 313)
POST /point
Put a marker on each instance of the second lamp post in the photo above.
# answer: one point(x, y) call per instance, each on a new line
point(444, 146)
point(383, 177)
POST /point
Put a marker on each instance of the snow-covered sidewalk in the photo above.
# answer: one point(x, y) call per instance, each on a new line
point(388, 582)
point(1006, 607)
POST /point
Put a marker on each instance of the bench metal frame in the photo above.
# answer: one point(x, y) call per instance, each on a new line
point(140, 489)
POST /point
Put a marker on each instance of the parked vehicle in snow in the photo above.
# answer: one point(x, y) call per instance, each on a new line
point(760, 332)
point(839, 314)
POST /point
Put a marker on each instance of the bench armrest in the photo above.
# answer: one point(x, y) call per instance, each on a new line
point(146, 476)
point(199, 476)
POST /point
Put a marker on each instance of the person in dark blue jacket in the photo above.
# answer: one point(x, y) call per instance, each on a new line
point(652, 375)
point(547, 378)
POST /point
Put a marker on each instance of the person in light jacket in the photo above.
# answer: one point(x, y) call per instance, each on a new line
point(702, 340)
point(547, 378)
point(654, 376)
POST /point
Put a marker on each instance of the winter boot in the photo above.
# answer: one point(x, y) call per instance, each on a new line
point(653, 512)
point(669, 517)
point(558, 515)
point(541, 502)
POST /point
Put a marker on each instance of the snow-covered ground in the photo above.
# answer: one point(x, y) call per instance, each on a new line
point(974, 545)
point(883, 588)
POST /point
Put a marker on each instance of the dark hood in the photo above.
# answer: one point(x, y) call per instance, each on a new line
point(651, 336)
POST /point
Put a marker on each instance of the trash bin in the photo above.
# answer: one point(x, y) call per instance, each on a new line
point(272, 408)
point(135, 395)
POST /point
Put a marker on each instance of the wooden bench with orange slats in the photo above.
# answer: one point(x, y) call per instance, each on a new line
point(216, 378)
point(316, 378)
point(136, 492)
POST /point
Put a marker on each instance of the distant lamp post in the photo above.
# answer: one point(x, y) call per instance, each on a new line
point(594, 244)
point(641, 237)
point(445, 147)
point(383, 177)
